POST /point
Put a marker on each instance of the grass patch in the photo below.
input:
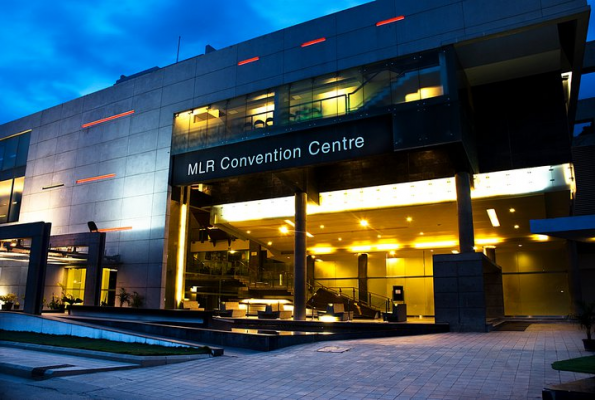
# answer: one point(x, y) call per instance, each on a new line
point(582, 364)
point(75, 342)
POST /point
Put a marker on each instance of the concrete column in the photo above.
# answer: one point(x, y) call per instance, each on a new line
point(362, 277)
point(38, 258)
point(310, 271)
point(94, 269)
point(465, 212)
point(574, 277)
point(299, 276)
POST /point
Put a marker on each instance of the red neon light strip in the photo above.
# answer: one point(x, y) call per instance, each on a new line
point(249, 60)
point(96, 178)
point(121, 228)
point(99, 121)
point(315, 41)
point(390, 21)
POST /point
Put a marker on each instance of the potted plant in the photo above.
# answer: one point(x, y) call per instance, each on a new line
point(123, 297)
point(8, 301)
point(56, 304)
point(586, 318)
point(137, 300)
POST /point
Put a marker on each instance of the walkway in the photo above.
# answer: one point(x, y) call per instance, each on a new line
point(495, 365)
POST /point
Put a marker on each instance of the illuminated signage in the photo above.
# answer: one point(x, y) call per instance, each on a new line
point(295, 149)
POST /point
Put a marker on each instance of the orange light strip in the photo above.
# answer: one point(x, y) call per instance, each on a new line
point(121, 228)
point(99, 121)
point(96, 178)
point(249, 60)
point(315, 41)
point(390, 21)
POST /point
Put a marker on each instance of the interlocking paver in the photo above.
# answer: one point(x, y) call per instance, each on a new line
point(495, 365)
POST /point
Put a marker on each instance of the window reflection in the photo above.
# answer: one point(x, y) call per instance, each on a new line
point(354, 90)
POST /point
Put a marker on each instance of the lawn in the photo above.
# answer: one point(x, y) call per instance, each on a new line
point(581, 364)
point(75, 342)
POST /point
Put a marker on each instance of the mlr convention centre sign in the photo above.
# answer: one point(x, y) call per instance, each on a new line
point(354, 140)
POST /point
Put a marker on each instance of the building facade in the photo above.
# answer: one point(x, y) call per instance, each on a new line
point(357, 151)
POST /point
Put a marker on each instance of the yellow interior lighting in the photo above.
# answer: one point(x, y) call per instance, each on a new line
point(504, 183)
point(181, 254)
point(435, 245)
point(360, 249)
point(320, 250)
point(387, 247)
point(540, 238)
point(488, 241)
point(493, 217)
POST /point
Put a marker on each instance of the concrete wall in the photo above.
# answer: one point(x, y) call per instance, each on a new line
point(136, 148)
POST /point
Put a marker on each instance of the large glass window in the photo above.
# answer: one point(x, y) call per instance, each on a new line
point(329, 96)
point(13, 159)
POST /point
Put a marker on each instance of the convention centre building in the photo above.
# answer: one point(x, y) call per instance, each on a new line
point(427, 153)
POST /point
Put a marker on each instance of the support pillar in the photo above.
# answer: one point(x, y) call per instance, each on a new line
point(310, 271)
point(574, 278)
point(465, 212)
point(38, 258)
point(362, 277)
point(299, 276)
point(94, 269)
point(181, 248)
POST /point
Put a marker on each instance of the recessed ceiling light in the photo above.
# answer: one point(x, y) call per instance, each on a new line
point(516, 227)
point(284, 230)
point(248, 232)
point(409, 219)
point(379, 236)
point(270, 243)
point(340, 239)
point(421, 233)
point(493, 217)
point(321, 226)
point(363, 222)
point(512, 210)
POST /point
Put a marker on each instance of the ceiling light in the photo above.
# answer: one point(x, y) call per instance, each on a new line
point(512, 210)
point(322, 250)
point(270, 243)
point(454, 251)
point(516, 227)
point(363, 223)
point(248, 232)
point(289, 222)
point(284, 230)
point(427, 245)
point(360, 249)
point(409, 219)
point(484, 241)
point(384, 247)
point(421, 233)
point(309, 235)
point(379, 236)
point(340, 239)
point(321, 226)
point(493, 217)
point(541, 238)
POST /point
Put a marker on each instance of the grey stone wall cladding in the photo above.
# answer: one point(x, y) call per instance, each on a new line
point(467, 291)
point(136, 147)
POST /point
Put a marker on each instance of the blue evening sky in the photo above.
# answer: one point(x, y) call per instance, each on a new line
point(55, 51)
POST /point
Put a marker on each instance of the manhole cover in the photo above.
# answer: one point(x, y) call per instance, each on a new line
point(333, 349)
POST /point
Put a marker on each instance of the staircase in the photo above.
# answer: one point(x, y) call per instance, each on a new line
point(325, 296)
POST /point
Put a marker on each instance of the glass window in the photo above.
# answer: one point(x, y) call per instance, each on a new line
point(300, 100)
point(236, 118)
point(5, 192)
point(23, 149)
point(216, 133)
point(10, 153)
point(15, 202)
point(374, 86)
point(260, 108)
point(377, 88)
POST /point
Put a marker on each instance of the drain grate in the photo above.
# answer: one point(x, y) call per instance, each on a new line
point(333, 349)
